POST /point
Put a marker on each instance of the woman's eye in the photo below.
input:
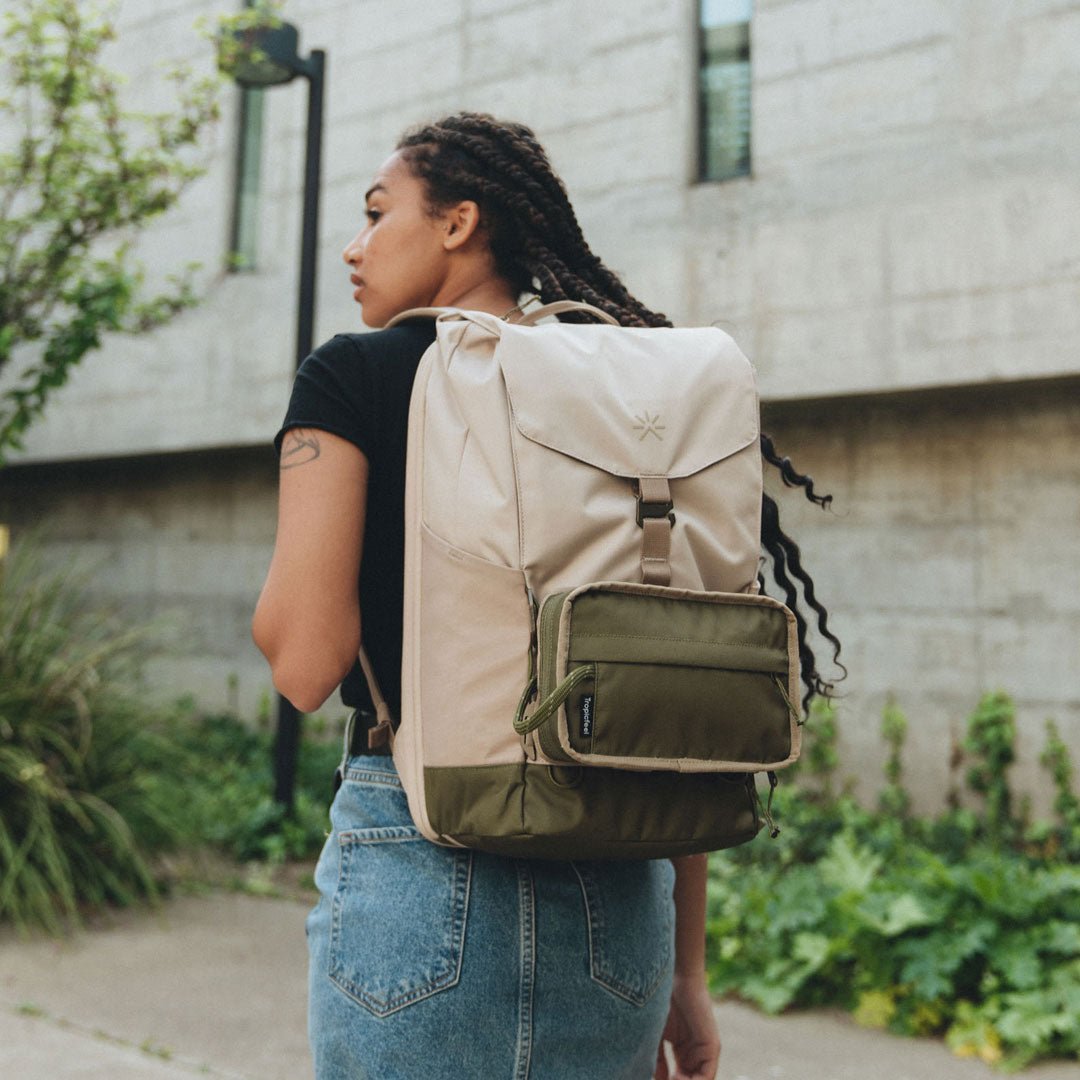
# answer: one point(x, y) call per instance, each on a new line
point(373, 215)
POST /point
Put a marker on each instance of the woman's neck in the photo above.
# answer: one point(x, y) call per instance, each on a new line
point(493, 296)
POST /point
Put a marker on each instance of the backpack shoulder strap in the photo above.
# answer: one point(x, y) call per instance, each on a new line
point(383, 732)
point(422, 313)
point(559, 306)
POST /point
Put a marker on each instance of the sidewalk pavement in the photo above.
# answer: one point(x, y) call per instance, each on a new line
point(215, 986)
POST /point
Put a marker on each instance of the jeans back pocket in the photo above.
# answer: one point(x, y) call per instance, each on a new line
point(398, 917)
point(630, 910)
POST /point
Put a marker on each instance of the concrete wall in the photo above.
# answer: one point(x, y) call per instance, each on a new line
point(948, 563)
point(901, 266)
point(178, 543)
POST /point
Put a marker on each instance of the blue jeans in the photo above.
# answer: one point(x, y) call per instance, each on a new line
point(427, 961)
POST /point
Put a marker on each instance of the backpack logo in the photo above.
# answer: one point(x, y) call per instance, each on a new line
point(648, 424)
point(586, 715)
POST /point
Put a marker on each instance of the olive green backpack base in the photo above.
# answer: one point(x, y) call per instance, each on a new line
point(574, 812)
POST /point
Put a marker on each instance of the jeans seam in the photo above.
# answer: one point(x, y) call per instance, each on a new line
point(598, 969)
point(527, 968)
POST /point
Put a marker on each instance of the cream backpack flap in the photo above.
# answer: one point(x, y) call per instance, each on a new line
point(588, 668)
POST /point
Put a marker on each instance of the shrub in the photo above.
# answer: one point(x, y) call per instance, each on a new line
point(71, 792)
point(960, 925)
point(213, 774)
point(95, 783)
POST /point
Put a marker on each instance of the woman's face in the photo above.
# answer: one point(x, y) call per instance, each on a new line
point(398, 259)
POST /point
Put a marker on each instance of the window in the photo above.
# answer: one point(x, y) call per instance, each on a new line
point(245, 218)
point(724, 97)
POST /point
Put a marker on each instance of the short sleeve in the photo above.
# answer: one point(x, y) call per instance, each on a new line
point(335, 391)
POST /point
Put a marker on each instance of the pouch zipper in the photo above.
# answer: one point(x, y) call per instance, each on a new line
point(548, 634)
point(547, 643)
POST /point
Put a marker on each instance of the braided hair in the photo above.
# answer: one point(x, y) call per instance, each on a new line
point(537, 246)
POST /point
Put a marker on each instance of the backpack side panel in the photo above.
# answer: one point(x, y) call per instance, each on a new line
point(467, 619)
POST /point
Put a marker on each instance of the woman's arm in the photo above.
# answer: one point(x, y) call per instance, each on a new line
point(691, 1025)
point(307, 620)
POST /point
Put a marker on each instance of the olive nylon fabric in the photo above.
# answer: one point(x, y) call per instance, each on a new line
point(586, 813)
point(675, 678)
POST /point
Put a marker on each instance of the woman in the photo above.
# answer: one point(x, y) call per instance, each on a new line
point(428, 960)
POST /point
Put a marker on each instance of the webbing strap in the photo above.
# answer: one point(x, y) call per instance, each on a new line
point(383, 732)
point(655, 550)
point(556, 307)
point(656, 519)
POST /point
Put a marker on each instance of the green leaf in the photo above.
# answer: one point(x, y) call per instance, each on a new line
point(811, 949)
point(849, 867)
point(892, 914)
point(875, 1008)
point(930, 960)
point(906, 911)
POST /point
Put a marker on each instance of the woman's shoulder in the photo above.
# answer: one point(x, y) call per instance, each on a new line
point(396, 343)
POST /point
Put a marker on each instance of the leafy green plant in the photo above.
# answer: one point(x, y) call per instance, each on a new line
point(70, 791)
point(213, 775)
point(97, 785)
point(894, 798)
point(81, 178)
point(991, 734)
point(236, 35)
point(1060, 838)
point(821, 757)
point(953, 926)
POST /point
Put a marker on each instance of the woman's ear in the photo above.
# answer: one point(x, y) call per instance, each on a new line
point(460, 223)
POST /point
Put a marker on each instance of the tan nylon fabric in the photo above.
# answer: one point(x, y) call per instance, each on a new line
point(383, 732)
point(524, 444)
point(654, 489)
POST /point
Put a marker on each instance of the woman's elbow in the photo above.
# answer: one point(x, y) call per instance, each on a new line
point(307, 695)
point(305, 684)
point(304, 674)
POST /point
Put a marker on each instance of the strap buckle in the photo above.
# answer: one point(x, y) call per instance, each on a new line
point(379, 735)
point(652, 508)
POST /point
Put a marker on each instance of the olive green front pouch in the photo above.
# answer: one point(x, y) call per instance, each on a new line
point(645, 677)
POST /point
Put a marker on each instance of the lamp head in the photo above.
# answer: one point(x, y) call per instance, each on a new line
point(266, 55)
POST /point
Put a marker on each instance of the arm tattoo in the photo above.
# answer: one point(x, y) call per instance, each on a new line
point(300, 447)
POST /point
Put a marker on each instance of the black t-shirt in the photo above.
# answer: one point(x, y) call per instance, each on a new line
point(358, 386)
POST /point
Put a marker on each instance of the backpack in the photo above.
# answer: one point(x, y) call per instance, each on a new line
point(589, 669)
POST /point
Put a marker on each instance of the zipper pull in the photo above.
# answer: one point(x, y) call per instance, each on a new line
point(774, 830)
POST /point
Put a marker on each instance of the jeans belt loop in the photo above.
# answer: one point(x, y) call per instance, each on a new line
point(346, 749)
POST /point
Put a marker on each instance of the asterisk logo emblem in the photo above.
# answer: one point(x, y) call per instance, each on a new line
point(649, 425)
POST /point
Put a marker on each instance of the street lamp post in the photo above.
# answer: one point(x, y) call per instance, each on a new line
point(268, 57)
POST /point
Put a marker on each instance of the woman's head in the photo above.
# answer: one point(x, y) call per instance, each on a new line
point(522, 227)
point(410, 255)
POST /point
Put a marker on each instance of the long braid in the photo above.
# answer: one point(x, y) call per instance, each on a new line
point(531, 223)
point(537, 242)
point(788, 474)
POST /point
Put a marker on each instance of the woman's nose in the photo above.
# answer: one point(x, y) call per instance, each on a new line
point(352, 250)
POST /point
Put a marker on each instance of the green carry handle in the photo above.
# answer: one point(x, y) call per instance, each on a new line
point(524, 724)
